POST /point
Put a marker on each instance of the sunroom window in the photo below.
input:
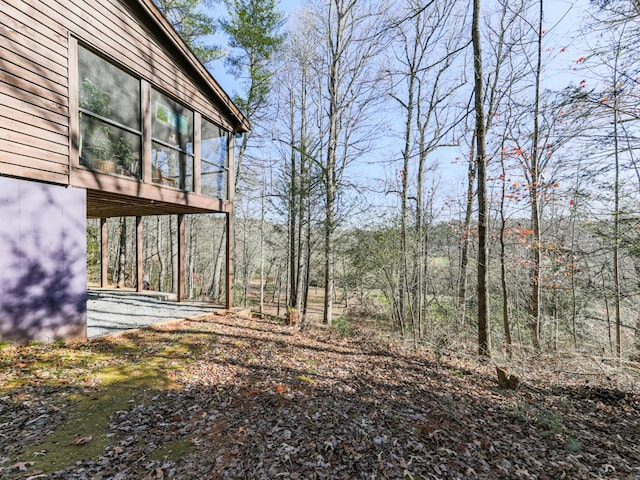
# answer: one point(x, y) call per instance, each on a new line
point(214, 166)
point(172, 152)
point(110, 124)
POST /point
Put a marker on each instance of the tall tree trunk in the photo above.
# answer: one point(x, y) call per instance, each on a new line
point(262, 225)
point(336, 50)
point(304, 209)
point(534, 192)
point(307, 272)
point(574, 293)
point(345, 283)
point(617, 81)
point(329, 278)
point(301, 261)
point(421, 248)
point(293, 210)
point(404, 199)
point(245, 264)
point(484, 338)
point(503, 259)
point(466, 234)
point(616, 220)
point(191, 257)
point(607, 310)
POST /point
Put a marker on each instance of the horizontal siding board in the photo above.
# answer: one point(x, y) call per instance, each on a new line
point(22, 121)
point(32, 152)
point(25, 56)
point(21, 88)
point(54, 41)
point(34, 41)
point(22, 171)
point(45, 55)
point(60, 136)
point(20, 95)
point(30, 68)
point(33, 163)
point(48, 110)
point(18, 67)
point(34, 141)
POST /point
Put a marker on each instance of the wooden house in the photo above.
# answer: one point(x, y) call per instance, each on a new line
point(104, 112)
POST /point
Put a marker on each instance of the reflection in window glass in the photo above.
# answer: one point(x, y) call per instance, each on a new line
point(109, 101)
point(168, 165)
point(171, 123)
point(172, 147)
point(214, 166)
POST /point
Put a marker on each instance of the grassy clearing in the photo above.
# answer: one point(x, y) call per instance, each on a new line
point(91, 382)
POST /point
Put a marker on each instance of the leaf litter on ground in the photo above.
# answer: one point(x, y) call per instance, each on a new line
point(220, 396)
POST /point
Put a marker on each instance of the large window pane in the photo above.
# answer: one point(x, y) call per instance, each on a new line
point(171, 167)
point(214, 166)
point(107, 91)
point(110, 124)
point(171, 123)
point(108, 148)
point(172, 150)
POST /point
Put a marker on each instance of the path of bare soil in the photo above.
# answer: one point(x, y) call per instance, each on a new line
point(226, 397)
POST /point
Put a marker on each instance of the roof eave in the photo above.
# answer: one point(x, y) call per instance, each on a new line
point(241, 122)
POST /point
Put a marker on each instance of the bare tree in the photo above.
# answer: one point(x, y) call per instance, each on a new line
point(351, 35)
point(424, 90)
point(484, 329)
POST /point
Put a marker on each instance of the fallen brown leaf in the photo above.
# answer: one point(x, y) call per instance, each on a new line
point(21, 466)
point(83, 440)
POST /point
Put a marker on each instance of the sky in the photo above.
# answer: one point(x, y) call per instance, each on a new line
point(561, 20)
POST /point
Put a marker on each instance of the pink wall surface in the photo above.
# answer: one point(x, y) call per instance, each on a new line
point(43, 278)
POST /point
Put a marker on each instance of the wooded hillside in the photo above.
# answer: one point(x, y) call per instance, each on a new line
point(361, 174)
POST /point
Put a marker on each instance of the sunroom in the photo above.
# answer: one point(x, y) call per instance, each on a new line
point(104, 112)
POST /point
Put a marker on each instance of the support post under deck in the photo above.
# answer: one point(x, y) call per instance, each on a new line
point(104, 253)
point(139, 257)
point(181, 257)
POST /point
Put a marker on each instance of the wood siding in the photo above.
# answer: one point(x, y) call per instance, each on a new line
point(35, 83)
point(34, 113)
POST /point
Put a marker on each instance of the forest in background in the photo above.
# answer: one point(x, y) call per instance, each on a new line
point(443, 171)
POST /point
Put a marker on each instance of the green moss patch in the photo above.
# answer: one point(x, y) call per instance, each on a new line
point(94, 381)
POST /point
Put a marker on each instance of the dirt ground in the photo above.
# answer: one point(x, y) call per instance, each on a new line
point(220, 396)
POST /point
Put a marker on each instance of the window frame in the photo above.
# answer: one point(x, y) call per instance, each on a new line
point(137, 175)
point(227, 160)
point(95, 178)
